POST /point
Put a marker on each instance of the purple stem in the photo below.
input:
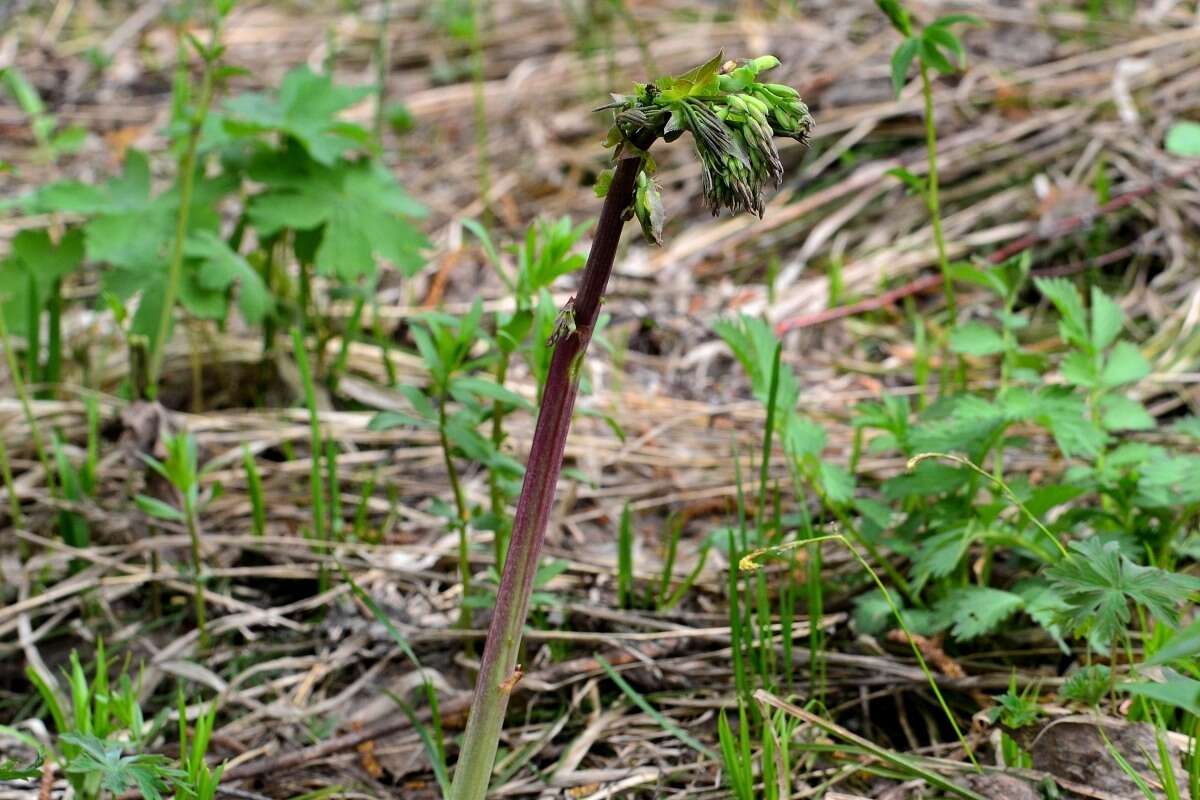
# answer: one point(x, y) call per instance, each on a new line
point(497, 670)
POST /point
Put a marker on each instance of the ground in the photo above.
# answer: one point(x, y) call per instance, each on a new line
point(1050, 145)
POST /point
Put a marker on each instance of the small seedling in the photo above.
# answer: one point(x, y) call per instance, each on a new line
point(181, 470)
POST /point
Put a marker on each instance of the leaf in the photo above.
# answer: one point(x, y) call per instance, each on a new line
point(365, 214)
point(945, 39)
point(222, 267)
point(957, 19)
point(1098, 582)
point(1124, 414)
point(12, 771)
point(1125, 364)
point(1188, 426)
point(975, 611)
point(897, 15)
point(901, 61)
point(306, 109)
point(915, 183)
point(987, 278)
point(1183, 645)
point(603, 181)
point(1177, 691)
point(489, 389)
point(1066, 298)
point(933, 57)
point(837, 482)
point(1183, 139)
point(976, 339)
point(1107, 319)
point(119, 773)
point(158, 509)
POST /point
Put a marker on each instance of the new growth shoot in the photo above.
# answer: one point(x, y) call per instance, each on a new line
point(733, 118)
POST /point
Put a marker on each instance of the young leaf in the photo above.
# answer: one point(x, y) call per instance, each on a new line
point(1066, 298)
point(897, 15)
point(158, 509)
point(306, 109)
point(1125, 364)
point(975, 611)
point(901, 61)
point(1107, 319)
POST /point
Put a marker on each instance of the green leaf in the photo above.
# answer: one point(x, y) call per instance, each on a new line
point(1183, 139)
point(158, 509)
point(933, 57)
point(306, 109)
point(897, 15)
point(957, 19)
point(916, 184)
point(837, 482)
point(901, 61)
point(603, 181)
point(1188, 426)
point(976, 339)
point(365, 215)
point(222, 267)
point(1066, 298)
point(1098, 582)
point(1183, 645)
point(1125, 364)
point(1177, 691)
point(489, 389)
point(1107, 319)
point(12, 771)
point(946, 40)
point(119, 773)
point(1124, 414)
point(975, 611)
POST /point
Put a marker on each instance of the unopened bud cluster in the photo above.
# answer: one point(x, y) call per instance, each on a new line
point(733, 119)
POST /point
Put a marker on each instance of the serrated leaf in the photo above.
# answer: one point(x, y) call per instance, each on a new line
point(221, 268)
point(837, 482)
point(365, 213)
point(975, 611)
point(1107, 319)
point(1125, 364)
point(1121, 413)
point(1099, 582)
point(1066, 298)
point(306, 109)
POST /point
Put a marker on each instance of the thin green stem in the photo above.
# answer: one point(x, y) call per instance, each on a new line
point(460, 503)
point(187, 181)
point(193, 530)
point(35, 432)
point(932, 197)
